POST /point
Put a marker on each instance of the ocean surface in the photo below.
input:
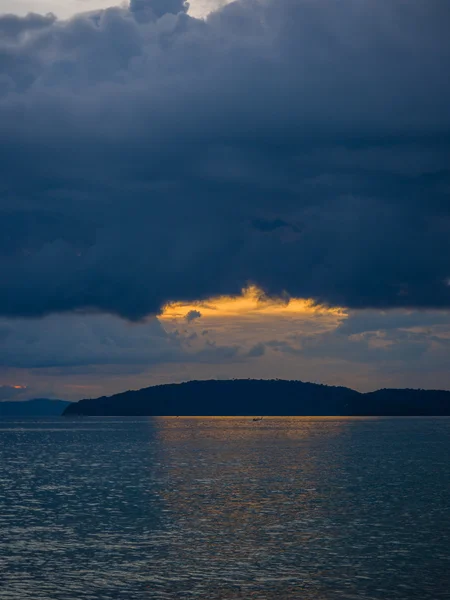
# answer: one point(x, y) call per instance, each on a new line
point(289, 508)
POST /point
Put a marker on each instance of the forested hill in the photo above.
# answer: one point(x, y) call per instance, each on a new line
point(248, 397)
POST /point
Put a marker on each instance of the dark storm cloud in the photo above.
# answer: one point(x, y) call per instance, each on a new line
point(104, 344)
point(256, 351)
point(141, 146)
point(272, 225)
point(13, 27)
point(63, 341)
point(157, 8)
point(192, 315)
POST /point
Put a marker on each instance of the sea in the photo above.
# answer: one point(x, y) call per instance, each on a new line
point(225, 508)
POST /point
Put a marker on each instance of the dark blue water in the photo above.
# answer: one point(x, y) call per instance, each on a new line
point(298, 508)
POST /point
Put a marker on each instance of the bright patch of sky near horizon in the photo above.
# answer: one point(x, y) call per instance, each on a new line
point(243, 336)
point(68, 8)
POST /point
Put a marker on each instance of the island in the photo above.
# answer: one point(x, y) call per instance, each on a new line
point(251, 397)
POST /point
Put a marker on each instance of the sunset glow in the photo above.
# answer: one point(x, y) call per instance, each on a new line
point(252, 303)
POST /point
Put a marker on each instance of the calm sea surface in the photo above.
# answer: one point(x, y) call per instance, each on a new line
point(113, 508)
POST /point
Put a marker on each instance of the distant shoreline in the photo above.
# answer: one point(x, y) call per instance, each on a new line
point(38, 407)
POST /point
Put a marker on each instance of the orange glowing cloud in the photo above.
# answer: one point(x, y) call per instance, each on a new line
point(252, 303)
point(248, 319)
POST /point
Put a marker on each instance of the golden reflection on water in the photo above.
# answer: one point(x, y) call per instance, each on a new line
point(232, 429)
point(256, 482)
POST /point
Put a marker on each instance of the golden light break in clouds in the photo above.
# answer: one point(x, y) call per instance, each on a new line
point(253, 316)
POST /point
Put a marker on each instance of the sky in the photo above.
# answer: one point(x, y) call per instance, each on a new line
point(258, 188)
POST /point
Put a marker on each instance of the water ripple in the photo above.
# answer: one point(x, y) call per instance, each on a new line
point(317, 509)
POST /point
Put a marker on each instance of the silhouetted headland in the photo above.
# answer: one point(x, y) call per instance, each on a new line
point(249, 397)
point(39, 407)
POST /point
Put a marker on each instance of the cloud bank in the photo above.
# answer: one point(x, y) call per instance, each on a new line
point(9, 392)
point(148, 156)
